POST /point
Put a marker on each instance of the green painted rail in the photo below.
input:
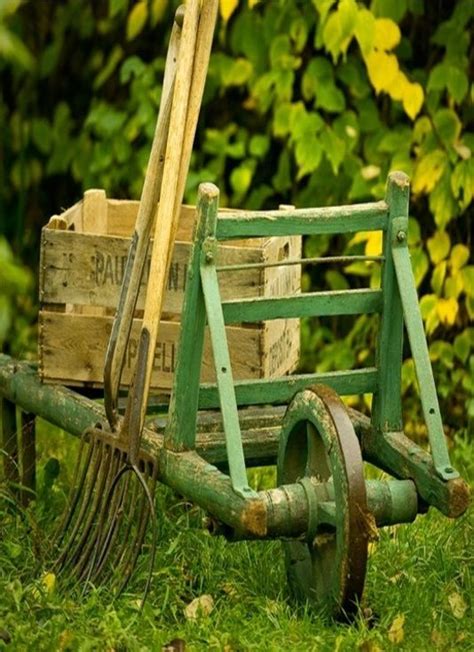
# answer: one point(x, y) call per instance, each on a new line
point(310, 304)
point(303, 221)
point(282, 390)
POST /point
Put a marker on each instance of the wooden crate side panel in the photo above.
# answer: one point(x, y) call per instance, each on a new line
point(284, 280)
point(86, 269)
point(73, 350)
point(281, 347)
point(73, 216)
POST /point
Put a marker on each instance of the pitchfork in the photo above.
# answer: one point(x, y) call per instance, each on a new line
point(114, 481)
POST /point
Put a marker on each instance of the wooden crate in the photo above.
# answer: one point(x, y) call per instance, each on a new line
point(83, 255)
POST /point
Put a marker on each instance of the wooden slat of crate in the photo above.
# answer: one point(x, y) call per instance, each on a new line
point(87, 269)
point(73, 349)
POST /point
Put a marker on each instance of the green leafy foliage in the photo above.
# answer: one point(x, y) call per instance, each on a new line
point(306, 103)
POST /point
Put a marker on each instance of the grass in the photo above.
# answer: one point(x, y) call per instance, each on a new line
point(423, 572)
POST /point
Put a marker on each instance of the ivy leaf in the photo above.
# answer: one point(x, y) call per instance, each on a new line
point(438, 276)
point(365, 30)
point(459, 256)
point(330, 98)
point(429, 170)
point(158, 9)
point(318, 73)
point(439, 246)
point(41, 134)
point(462, 182)
point(419, 264)
point(240, 179)
point(137, 19)
point(382, 69)
point(450, 76)
point(334, 148)
point(412, 99)
point(259, 145)
point(442, 202)
point(339, 27)
point(447, 310)
point(448, 125)
point(117, 6)
point(387, 34)
point(227, 8)
point(394, 9)
point(282, 118)
point(308, 153)
point(468, 278)
point(462, 346)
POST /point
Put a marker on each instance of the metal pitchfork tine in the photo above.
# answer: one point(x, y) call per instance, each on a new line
point(112, 502)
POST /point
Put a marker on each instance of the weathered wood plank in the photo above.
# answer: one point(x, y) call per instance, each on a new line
point(303, 221)
point(73, 351)
point(310, 304)
point(86, 269)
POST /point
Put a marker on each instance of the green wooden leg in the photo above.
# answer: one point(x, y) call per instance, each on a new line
point(225, 382)
point(419, 350)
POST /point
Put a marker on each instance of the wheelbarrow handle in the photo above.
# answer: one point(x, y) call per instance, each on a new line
point(138, 250)
point(198, 32)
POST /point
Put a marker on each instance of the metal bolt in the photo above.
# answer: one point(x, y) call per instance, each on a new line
point(401, 236)
point(209, 257)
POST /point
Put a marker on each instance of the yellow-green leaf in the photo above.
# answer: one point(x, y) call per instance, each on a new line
point(459, 256)
point(137, 19)
point(252, 3)
point(428, 303)
point(462, 182)
point(396, 632)
point(227, 8)
point(382, 69)
point(365, 30)
point(412, 99)
point(420, 264)
point(49, 582)
point(453, 286)
point(442, 203)
point(373, 246)
point(468, 278)
point(387, 34)
point(158, 8)
point(339, 27)
point(439, 246)
point(429, 171)
point(438, 276)
point(447, 311)
point(457, 604)
point(462, 346)
point(398, 87)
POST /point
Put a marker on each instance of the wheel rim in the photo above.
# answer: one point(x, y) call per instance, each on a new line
point(318, 447)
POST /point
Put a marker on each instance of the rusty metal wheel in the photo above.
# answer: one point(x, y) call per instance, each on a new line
point(319, 449)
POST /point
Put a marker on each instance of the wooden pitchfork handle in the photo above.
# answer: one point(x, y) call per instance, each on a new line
point(122, 325)
point(197, 35)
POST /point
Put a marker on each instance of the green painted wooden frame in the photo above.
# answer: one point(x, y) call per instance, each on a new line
point(396, 302)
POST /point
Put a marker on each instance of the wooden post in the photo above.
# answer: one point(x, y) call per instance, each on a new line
point(180, 431)
point(28, 457)
point(387, 407)
point(10, 444)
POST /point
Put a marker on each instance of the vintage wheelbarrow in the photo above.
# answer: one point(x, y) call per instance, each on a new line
point(323, 509)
